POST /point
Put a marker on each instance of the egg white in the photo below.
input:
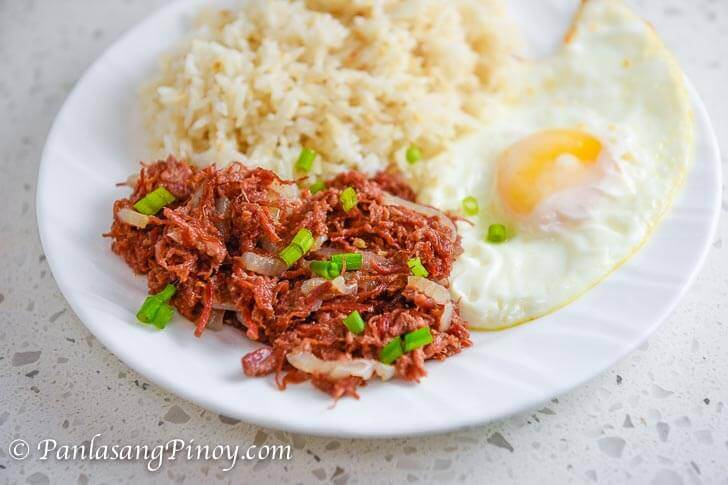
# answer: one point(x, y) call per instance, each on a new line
point(614, 79)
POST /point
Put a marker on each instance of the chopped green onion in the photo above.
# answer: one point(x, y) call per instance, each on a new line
point(470, 206)
point(304, 240)
point(153, 202)
point(301, 244)
point(415, 266)
point(305, 160)
point(290, 254)
point(392, 351)
point(413, 155)
point(355, 323)
point(167, 293)
point(148, 310)
point(326, 269)
point(496, 233)
point(164, 316)
point(153, 304)
point(317, 187)
point(353, 260)
point(348, 199)
point(416, 339)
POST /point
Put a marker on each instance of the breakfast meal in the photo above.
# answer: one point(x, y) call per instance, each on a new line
point(356, 185)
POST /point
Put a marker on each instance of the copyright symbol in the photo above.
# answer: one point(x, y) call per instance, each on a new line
point(19, 449)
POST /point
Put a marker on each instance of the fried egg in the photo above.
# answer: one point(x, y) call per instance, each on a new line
point(582, 158)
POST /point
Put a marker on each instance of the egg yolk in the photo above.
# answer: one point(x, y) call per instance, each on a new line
point(545, 163)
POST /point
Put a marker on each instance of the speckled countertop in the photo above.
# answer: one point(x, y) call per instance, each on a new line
point(659, 416)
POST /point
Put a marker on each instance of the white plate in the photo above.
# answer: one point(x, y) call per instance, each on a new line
point(93, 145)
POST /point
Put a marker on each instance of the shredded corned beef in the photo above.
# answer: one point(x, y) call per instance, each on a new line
point(218, 243)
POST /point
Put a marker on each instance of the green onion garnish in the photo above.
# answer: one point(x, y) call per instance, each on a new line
point(153, 202)
point(355, 323)
point(164, 316)
point(413, 155)
point(154, 304)
point(148, 310)
point(416, 339)
point(326, 269)
point(348, 199)
point(317, 187)
point(496, 233)
point(305, 160)
point(470, 206)
point(353, 260)
point(167, 293)
point(304, 240)
point(290, 254)
point(415, 266)
point(300, 245)
point(392, 351)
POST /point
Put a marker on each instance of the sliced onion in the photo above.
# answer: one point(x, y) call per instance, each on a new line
point(438, 293)
point(446, 317)
point(338, 369)
point(215, 322)
point(318, 242)
point(444, 282)
point(340, 284)
point(222, 209)
point(265, 265)
point(269, 246)
point(274, 213)
point(309, 285)
point(371, 260)
point(286, 191)
point(390, 199)
point(282, 191)
point(174, 235)
point(224, 306)
point(222, 205)
point(131, 180)
point(133, 218)
point(241, 319)
point(316, 305)
point(196, 196)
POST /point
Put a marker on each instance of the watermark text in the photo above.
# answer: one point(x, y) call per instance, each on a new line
point(153, 456)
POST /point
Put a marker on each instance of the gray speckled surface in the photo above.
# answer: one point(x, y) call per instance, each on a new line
point(658, 417)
